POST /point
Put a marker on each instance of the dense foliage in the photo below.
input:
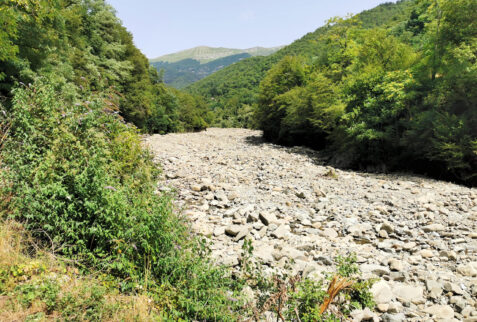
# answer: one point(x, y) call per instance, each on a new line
point(84, 43)
point(391, 88)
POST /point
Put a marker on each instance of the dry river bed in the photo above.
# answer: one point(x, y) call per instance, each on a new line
point(417, 235)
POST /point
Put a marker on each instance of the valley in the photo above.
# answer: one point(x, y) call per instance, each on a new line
point(415, 236)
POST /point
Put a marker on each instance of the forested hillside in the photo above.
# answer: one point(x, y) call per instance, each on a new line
point(391, 88)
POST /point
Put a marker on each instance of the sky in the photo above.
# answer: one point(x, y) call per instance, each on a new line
point(166, 26)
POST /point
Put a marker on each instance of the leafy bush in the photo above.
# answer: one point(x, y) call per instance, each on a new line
point(82, 184)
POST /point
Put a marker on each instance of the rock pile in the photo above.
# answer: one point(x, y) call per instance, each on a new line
point(417, 235)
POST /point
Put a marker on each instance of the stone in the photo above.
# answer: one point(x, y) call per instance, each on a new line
point(364, 315)
point(202, 228)
point(433, 227)
point(382, 307)
point(242, 233)
point(396, 265)
point(301, 194)
point(378, 270)
point(408, 293)
point(267, 218)
point(233, 230)
point(458, 302)
point(289, 252)
point(383, 234)
point(467, 311)
point(398, 317)
point(426, 253)
point(471, 319)
point(252, 217)
point(219, 230)
point(264, 254)
point(434, 288)
point(382, 293)
point(229, 261)
point(226, 181)
point(469, 269)
point(452, 287)
point(233, 196)
point(451, 255)
point(444, 312)
point(281, 231)
point(324, 260)
point(409, 246)
point(387, 227)
point(329, 233)
point(195, 187)
point(398, 276)
point(359, 229)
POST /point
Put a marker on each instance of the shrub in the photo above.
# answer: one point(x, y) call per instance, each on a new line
point(82, 184)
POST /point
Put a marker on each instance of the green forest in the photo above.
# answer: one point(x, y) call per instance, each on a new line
point(393, 88)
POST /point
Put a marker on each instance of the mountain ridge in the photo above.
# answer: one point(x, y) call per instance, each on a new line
point(205, 54)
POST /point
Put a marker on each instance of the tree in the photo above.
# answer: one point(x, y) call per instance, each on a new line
point(286, 75)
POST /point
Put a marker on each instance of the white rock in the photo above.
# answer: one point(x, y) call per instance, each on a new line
point(267, 218)
point(364, 315)
point(433, 227)
point(469, 269)
point(408, 293)
point(378, 270)
point(382, 293)
point(281, 232)
point(264, 254)
point(444, 312)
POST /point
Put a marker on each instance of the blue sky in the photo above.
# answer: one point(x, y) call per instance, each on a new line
point(166, 26)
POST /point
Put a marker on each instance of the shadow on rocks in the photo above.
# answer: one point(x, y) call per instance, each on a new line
point(315, 156)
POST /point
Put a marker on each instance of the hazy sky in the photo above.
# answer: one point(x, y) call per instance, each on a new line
point(166, 26)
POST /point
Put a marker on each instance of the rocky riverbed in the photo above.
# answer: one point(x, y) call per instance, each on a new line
point(417, 235)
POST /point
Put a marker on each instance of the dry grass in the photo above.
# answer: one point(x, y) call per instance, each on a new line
point(41, 266)
point(12, 241)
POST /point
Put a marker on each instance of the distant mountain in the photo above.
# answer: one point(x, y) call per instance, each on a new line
point(205, 54)
point(186, 67)
point(187, 71)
